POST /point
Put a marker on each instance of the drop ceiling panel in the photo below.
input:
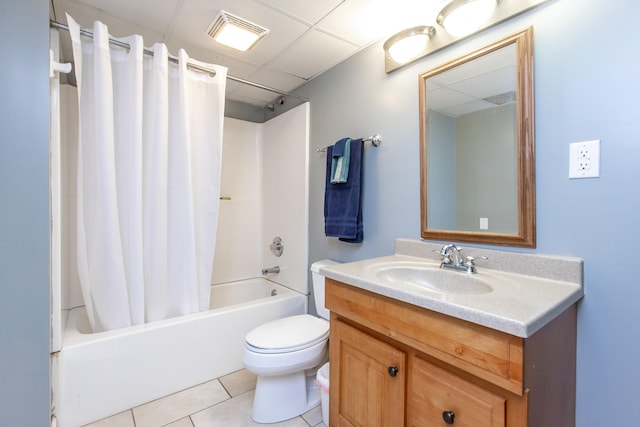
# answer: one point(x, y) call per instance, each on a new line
point(118, 27)
point(308, 11)
point(359, 21)
point(488, 84)
point(312, 54)
point(365, 21)
point(156, 15)
point(485, 64)
point(277, 79)
point(443, 99)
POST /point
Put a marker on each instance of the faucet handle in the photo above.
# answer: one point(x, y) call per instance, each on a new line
point(446, 256)
point(470, 263)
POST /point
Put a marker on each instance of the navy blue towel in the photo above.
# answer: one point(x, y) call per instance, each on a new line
point(343, 202)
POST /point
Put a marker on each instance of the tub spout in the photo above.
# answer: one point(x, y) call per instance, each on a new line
point(275, 270)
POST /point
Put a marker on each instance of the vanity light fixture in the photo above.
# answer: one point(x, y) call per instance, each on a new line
point(443, 33)
point(408, 44)
point(462, 17)
point(235, 32)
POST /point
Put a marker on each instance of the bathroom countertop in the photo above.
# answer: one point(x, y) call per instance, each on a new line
point(518, 304)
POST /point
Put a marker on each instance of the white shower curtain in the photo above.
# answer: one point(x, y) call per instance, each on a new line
point(149, 157)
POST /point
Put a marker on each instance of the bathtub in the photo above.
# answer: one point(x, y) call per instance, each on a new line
point(102, 374)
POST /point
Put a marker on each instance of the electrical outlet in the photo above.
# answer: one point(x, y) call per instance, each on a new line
point(584, 159)
point(584, 163)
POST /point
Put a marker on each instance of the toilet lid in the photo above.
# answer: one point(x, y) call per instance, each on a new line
point(289, 333)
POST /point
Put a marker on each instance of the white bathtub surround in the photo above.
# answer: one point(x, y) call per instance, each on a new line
point(265, 175)
point(148, 180)
point(105, 373)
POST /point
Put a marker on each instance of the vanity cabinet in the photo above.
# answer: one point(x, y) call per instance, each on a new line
point(437, 397)
point(372, 379)
point(395, 364)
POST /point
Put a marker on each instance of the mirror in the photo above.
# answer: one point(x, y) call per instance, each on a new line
point(477, 162)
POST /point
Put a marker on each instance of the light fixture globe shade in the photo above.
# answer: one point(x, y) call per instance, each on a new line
point(462, 17)
point(408, 44)
point(406, 49)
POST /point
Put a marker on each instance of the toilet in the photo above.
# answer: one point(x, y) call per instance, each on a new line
point(285, 354)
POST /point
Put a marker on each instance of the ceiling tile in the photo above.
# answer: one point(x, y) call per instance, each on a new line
point(364, 21)
point(277, 79)
point(489, 84)
point(307, 11)
point(156, 15)
point(442, 99)
point(312, 54)
point(86, 15)
point(484, 64)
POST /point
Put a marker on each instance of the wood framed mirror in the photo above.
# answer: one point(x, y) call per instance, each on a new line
point(477, 157)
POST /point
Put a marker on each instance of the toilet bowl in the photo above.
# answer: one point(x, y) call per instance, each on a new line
point(285, 354)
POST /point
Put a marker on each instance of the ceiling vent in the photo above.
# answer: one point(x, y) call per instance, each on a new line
point(502, 98)
point(235, 32)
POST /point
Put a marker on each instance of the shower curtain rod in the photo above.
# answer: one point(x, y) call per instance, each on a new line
point(87, 33)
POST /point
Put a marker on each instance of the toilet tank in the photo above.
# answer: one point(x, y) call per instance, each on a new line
point(318, 286)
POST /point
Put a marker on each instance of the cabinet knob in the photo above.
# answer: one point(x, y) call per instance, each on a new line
point(448, 417)
point(393, 371)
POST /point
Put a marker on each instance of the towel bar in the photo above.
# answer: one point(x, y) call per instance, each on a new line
point(375, 140)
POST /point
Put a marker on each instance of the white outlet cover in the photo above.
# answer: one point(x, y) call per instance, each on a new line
point(584, 159)
point(484, 223)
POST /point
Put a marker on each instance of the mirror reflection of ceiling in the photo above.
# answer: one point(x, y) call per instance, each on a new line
point(307, 37)
point(483, 83)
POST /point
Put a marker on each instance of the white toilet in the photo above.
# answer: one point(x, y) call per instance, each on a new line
point(285, 355)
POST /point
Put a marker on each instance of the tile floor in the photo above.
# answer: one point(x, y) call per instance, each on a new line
point(224, 402)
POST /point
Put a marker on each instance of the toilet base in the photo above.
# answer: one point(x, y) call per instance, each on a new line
point(279, 398)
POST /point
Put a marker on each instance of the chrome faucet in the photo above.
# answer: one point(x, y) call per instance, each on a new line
point(457, 263)
point(448, 251)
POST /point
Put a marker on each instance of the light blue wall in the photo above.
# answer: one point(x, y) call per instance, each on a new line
point(24, 214)
point(587, 83)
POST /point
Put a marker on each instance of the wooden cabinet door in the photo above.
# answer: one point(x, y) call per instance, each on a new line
point(367, 380)
point(440, 398)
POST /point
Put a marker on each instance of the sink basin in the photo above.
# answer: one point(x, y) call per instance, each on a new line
point(431, 277)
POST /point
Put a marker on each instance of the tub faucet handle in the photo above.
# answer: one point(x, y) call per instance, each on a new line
point(277, 247)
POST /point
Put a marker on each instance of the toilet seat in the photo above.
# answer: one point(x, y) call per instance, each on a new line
point(288, 334)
